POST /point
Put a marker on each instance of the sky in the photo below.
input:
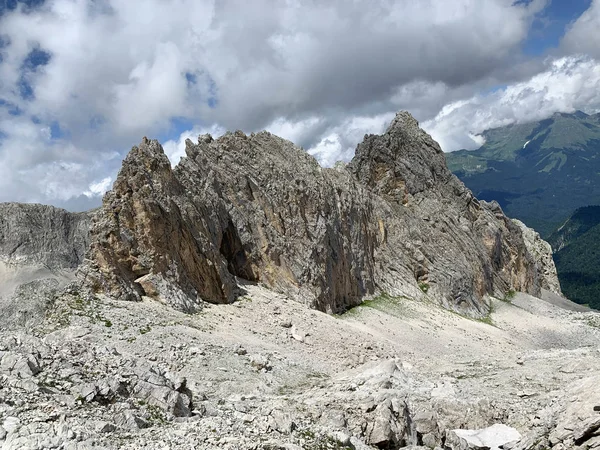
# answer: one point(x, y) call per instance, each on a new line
point(82, 81)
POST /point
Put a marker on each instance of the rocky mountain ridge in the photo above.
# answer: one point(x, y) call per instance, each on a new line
point(40, 250)
point(197, 318)
point(258, 208)
point(45, 235)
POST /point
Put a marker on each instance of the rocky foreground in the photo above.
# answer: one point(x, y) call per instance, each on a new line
point(267, 373)
point(250, 299)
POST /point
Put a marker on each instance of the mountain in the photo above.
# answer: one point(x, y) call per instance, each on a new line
point(577, 256)
point(40, 250)
point(539, 172)
point(194, 311)
point(395, 221)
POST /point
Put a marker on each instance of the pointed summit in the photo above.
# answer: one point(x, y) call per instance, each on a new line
point(260, 208)
point(403, 121)
point(404, 158)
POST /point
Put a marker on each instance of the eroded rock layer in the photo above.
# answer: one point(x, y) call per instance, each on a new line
point(259, 208)
point(40, 249)
point(32, 234)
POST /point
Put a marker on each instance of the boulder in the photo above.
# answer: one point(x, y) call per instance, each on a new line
point(491, 438)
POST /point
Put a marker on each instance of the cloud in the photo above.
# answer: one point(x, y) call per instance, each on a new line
point(582, 36)
point(568, 84)
point(36, 167)
point(98, 189)
point(339, 142)
point(175, 148)
point(319, 73)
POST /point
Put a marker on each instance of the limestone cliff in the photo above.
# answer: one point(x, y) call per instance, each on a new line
point(542, 253)
point(261, 209)
point(40, 249)
point(32, 234)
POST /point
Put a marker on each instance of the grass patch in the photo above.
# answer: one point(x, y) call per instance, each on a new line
point(63, 309)
point(424, 287)
point(509, 296)
point(394, 306)
point(156, 415)
point(487, 319)
point(314, 441)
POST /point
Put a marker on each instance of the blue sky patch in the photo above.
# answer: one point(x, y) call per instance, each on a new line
point(191, 78)
point(550, 25)
point(56, 132)
point(11, 5)
point(177, 126)
point(11, 108)
point(36, 58)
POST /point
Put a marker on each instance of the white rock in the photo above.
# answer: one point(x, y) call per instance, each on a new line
point(492, 437)
point(300, 336)
point(11, 424)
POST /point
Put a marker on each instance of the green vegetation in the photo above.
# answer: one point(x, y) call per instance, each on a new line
point(508, 298)
point(577, 256)
point(424, 287)
point(156, 415)
point(487, 320)
point(538, 172)
point(320, 442)
point(145, 329)
point(61, 311)
point(394, 306)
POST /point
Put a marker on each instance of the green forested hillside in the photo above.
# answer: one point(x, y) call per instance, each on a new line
point(539, 172)
point(577, 256)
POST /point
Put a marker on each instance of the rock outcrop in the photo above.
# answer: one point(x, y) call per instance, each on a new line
point(493, 437)
point(261, 209)
point(32, 234)
point(542, 254)
point(40, 249)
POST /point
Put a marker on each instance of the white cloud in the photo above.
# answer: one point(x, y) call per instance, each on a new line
point(328, 150)
point(339, 142)
point(296, 132)
point(583, 36)
point(568, 84)
point(321, 74)
point(98, 189)
point(175, 149)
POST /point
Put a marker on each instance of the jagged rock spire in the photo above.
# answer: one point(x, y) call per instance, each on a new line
point(259, 208)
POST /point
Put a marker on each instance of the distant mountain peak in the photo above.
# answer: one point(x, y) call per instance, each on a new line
point(539, 171)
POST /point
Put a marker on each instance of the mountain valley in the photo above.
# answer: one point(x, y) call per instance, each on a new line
point(538, 172)
point(547, 175)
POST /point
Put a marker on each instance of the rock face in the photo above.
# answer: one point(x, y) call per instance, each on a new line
point(451, 245)
point(40, 249)
point(542, 253)
point(32, 234)
point(261, 209)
